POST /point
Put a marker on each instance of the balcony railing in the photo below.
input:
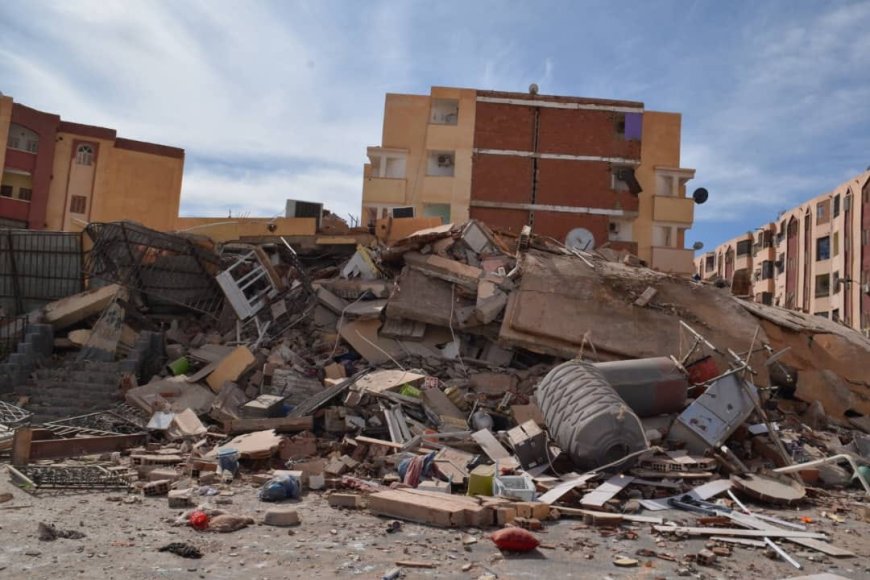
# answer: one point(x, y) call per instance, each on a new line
point(673, 260)
point(673, 209)
point(383, 190)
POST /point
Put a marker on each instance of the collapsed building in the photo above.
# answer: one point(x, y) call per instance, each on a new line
point(454, 376)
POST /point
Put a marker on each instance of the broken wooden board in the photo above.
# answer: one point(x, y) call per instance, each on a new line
point(441, 405)
point(230, 368)
point(362, 336)
point(257, 445)
point(566, 511)
point(278, 424)
point(606, 491)
point(560, 489)
point(452, 464)
point(437, 509)
point(495, 450)
point(380, 381)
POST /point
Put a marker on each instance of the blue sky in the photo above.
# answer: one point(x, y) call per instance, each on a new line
point(276, 100)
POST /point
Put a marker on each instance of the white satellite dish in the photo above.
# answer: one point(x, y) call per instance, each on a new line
point(580, 239)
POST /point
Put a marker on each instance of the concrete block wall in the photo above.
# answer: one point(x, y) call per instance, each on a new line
point(37, 345)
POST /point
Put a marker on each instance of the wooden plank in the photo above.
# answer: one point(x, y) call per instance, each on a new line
point(626, 517)
point(373, 441)
point(561, 489)
point(60, 448)
point(740, 541)
point(380, 381)
point(606, 491)
point(493, 449)
point(279, 424)
point(739, 532)
point(21, 441)
point(435, 509)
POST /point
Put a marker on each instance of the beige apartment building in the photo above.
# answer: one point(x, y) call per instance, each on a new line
point(587, 172)
point(814, 258)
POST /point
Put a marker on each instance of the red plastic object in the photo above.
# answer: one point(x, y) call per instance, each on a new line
point(198, 520)
point(702, 370)
point(515, 540)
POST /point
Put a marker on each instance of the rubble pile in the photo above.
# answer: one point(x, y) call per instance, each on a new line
point(457, 377)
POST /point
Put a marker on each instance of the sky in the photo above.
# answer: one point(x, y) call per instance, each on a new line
point(279, 99)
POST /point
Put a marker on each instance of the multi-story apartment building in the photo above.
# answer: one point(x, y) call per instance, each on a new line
point(815, 258)
point(587, 172)
point(59, 175)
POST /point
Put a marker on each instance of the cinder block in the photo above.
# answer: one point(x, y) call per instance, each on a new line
point(163, 473)
point(156, 488)
point(345, 500)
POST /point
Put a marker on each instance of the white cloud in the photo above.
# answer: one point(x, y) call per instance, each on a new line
point(212, 194)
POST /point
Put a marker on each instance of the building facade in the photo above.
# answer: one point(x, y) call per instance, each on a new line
point(58, 175)
point(814, 258)
point(587, 172)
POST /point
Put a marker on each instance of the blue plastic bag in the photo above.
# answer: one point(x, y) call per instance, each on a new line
point(280, 487)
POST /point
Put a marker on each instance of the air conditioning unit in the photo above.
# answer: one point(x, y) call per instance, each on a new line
point(866, 288)
point(303, 209)
point(445, 160)
point(402, 212)
point(614, 228)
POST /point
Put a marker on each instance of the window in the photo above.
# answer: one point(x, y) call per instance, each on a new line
point(823, 285)
point(836, 243)
point(835, 315)
point(823, 248)
point(711, 263)
point(836, 205)
point(619, 122)
point(441, 163)
point(6, 190)
point(439, 210)
point(847, 203)
point(444, 112)
point(836, 282)
point(744, 248)
point(767, 270)
point(85, 154)
point(22, 139)
point(865, 237)
point(623, 179)
point(25, 193)
point(821, 212)
point(823, 314)
point(78, 204)
point(767, 298)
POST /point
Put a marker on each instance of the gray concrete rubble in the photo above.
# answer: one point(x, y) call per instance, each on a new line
point(456, 378)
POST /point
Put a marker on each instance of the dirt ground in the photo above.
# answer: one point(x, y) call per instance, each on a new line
point(124, 531)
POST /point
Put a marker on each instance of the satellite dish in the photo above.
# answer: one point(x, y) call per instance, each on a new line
point(698, 246)
point(580, 239)
point(533, 89)
point(700, 195)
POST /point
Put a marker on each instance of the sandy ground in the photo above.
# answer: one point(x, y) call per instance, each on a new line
point(123, 532)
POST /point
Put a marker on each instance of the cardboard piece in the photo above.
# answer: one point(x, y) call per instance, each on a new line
point(231, 368)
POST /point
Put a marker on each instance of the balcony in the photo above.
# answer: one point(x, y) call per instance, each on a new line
point(383, 190)
point(679, 210)
point(14, 209)
point(673, 260)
